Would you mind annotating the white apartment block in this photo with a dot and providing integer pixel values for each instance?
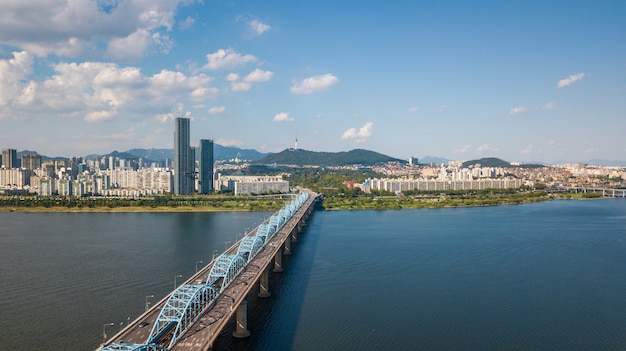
(246, 185)
(398, 185)
(14, 177)
(143, 179)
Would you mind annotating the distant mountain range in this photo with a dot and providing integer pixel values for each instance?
(426, 160)
(220, 153)
(304, 157)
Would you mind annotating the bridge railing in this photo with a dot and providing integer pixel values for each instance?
(190, 301)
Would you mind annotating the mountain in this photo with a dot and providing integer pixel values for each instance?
(487, 162)
(496, 162)
(220, 153)
(432, 159)
(229, 152)
(605, 163)
(43, 157)
(305, 157)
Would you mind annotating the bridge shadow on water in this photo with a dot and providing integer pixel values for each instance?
(273, 321)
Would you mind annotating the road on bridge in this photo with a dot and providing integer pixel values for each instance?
(202, 334)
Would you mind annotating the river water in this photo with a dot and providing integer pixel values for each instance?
(541, 276)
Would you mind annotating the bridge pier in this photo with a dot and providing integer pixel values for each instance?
(294, 235)
(287, 247)
(242, 321)
(278, 261)
(264, 284)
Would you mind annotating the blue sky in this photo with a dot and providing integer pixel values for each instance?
(524, 81)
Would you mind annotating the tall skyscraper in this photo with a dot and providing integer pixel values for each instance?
(183, 159)
(206, 166)
(31, 161)
(9, 158)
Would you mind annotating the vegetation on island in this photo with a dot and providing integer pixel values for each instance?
(166, 203)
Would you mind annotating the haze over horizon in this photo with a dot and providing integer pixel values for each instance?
(529, 82)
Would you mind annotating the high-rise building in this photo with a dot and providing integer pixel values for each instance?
(31, 161)
(206, 166)
(183, 159)
(9, 158)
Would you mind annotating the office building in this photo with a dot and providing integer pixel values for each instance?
(31, 161)
(184, 170)
(9, 158)
(206, 166)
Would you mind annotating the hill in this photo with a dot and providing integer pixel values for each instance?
(434, 160)
(304, 157)
(496, 162)
(220, 153)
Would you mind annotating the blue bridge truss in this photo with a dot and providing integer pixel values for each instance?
(190, 301)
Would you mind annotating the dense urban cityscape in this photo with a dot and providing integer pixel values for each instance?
(194, 170)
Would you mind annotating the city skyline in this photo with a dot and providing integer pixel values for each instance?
(531, 82)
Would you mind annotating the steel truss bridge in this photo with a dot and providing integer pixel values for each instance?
(192, 316)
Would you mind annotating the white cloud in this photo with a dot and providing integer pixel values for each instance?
(361, 135)
(96, 91)
(549, 106)
(227, 59)
(12, 72)
(570, 79)
(135, 45)
(259, 27)
(442, 108)
(485, 148)
(96, 116)
(244, 84)
(88, 28)
(413, 109)
(315, 83)
(187, 23)
(516, 110)
(530, 149)
(283, 117)
(217, 110)
(229, 142)
(463, 149)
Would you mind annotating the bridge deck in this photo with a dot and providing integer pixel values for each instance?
(207, 328)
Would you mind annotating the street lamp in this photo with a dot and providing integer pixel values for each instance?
(176, 276)
(104, 333)
(197, 265)
(214, 252)
(148, 303)
(226, 245)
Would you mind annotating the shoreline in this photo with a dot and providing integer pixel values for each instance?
(333, 206)
(137, 209)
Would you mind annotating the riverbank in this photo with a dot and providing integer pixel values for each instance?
(124, 209)
(442, 201)
(329, 203)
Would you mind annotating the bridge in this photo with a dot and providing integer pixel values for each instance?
(606, 192)
(193, 315)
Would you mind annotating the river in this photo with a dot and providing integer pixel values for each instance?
(538, 276)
